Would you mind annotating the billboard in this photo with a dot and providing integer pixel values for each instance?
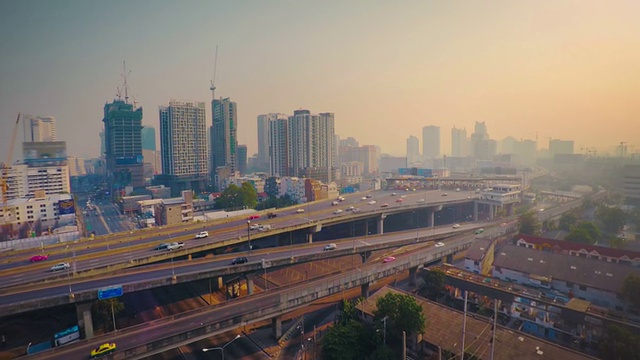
(129, 160)
(415, 172)
(66, 207)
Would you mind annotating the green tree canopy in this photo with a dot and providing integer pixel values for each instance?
(529, 224)
(619, 343)
(404, 314)
(234, 197)
(102, 309)
(613, 218)
(434, 281)
(631, 290)
(349, 341)
(567, 221)
(579, 235)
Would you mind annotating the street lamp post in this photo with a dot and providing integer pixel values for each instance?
(221, 348)
(249, 234)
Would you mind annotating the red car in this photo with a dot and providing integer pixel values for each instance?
(253, 217)
(399, 200)
(39, 258)
(388, 259)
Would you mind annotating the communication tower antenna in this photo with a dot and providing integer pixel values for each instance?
(213, 80)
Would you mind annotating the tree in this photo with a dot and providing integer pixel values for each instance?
(349, 341)
(234, 197)
(348, 312)
(103, 311)
(616, 243)
(248, 195)
(567, 221)
(578, 235)
(434, 281)
(529, 224)
(612, 218)
(403, 312)
(619, 343)
(631, 290)
(590, 228)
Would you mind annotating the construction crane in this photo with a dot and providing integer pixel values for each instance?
(5, 170)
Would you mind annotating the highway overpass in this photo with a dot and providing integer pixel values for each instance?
(161, 335)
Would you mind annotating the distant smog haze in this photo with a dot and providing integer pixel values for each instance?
(535, 71)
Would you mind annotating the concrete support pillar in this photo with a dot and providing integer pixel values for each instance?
(475, 211)
(366, 227)
(381, 225)
(430, 218)
(249, 278)
(365, 256)
(85, 321)
(189, 257)
(310, 238)
(449, 259)
(364, 290)
(413, 272)
(220, 282)
(276, 325)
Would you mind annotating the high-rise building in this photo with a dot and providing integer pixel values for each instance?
(41, 128)
(459, 142)
(479, 134)
(311, 142)
(123, 144)
(413, 149)
(242, 159)
(263, 138)
(526, 151)
(278, 140)
(557, 146)
(184, 146)
(366, 154)
(430, 142)
(349, 142)
(148, 138)
(224, 139)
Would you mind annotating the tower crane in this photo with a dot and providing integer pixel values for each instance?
(5, 167)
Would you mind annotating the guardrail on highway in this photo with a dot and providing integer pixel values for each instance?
(243, 311)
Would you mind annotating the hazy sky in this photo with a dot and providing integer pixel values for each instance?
(561, 69)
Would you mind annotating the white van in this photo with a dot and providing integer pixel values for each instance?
(330, 247)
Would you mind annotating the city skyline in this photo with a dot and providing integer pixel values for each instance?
(562, 70)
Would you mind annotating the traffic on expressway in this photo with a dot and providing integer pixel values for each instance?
(129, 247)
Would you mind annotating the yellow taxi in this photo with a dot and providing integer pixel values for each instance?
(103, 349)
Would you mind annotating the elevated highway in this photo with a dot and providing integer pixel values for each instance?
(168, 333)
(125, 250)
(44, 295)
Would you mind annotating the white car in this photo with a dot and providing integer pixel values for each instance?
(363, 198)
(301, 210)
(339, 211)
(60, 266)
(254, 227)
(202, 235)
(439, 244)
(420, 201)
(455, 226)
(371, 202)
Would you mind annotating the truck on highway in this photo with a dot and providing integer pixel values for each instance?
(264, 227)
(175, 246)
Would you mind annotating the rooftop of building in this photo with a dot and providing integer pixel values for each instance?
(578, 270)
(478, 249)
(173, 201)
(444, 329)
(47, 198)
(561, 245)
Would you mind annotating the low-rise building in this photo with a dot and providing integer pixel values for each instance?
(598, 282)
(479, 257)
(611, 255)
(444, 330)
(175, 210)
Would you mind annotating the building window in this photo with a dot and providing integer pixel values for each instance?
(569, 285)
(583, 288)
(29, 207)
